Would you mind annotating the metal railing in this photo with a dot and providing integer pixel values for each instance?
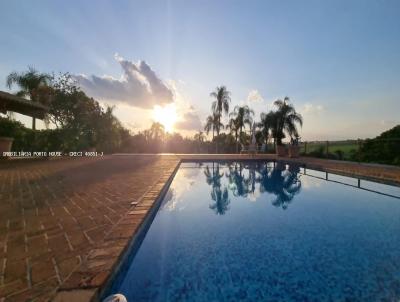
(358, 186)
(343, 150)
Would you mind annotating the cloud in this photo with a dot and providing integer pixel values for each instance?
(254, 97)
(388, 123)
(309, 108)
(191, 121)
(133, 126)
(139, 86)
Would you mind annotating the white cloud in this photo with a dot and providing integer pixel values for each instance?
(139, 86)
(191, 121)
(309, 108)
(388, 123)
(133, 126)
(254, 97)
(188, 116)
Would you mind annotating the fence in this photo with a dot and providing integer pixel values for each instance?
(352, 149)
(346, 150)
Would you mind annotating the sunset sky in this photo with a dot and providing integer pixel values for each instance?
(338, 61)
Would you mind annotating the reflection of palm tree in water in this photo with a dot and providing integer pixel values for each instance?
(220, 197)
(252, 177)
(221, 200)
(284, 184)
(213, 177)
(238, 183)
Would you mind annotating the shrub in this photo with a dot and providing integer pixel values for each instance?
(385, 148)
(319, 152)
(10, 128)
(339, 154)
(23, 137)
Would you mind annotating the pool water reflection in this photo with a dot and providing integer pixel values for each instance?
(257, 231)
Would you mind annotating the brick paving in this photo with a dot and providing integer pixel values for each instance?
(54, 212)
(66, 223)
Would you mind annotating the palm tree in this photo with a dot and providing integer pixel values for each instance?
(199, 137)
(286, 120)
(243, 116)
(209, 125)
(220, 105)
(233, 126)
(157, 131)
(213, 123)
(30, 83)
(268, 125)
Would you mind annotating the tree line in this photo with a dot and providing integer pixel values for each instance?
(275, 125)
(81, 123)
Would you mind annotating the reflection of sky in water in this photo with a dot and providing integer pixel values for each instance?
(255, 232)
(183, 181)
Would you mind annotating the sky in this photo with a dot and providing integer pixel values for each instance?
(338, 61)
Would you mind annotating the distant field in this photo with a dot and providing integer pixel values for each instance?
(347, 147)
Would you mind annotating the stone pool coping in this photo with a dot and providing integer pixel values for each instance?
(88, 283)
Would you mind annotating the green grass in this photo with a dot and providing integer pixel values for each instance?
(347, 147)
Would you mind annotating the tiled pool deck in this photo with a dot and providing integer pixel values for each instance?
(65, 223)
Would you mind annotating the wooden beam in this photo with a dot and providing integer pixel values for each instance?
(10, 102)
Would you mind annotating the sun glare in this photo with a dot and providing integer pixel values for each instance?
(166, 116)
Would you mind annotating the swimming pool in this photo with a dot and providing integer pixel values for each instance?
(258, 231)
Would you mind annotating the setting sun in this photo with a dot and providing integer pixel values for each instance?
(166, 116)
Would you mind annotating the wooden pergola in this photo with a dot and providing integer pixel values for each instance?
(10, 102)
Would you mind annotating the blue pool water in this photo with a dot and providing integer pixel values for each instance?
(267, 232)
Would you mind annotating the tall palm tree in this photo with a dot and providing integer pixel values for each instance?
(234, 128)
(286, 120)
(199, 137)
(222, 100)
(213, 123)
(220, 105)
(157, 131)
(268, 125)
(30, 82)
(243, 116)
(209, 125)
